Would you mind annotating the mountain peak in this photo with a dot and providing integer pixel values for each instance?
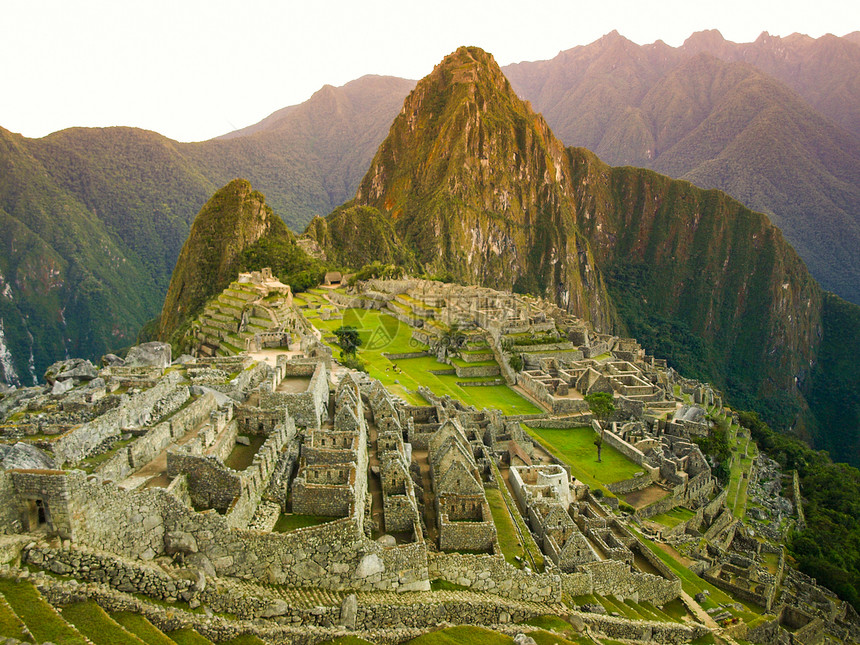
(465, 65)
(474, 183)
(705, 40)
(233, 219)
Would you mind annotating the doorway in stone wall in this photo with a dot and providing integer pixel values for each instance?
(36, 516)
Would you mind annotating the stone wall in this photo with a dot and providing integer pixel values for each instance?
(133, 411)
(629, 485)
(212, 484)
(336, 555)
(332, 500)
(615, 578)
(10, 513)
(308, 408)
(156, 439)
(493, 574)
(640, 631)
(90, 566)
(798, 500)
(466, 535)
(539, 391)
(633, 454)
(299, 625)
(50, 488)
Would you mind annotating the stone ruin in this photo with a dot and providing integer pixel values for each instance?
(176, 473)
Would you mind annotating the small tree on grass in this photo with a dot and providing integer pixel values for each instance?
(602, 407)
(598, 441)
(348, 340)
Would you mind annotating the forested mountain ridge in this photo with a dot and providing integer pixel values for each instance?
(773, 123)
(94, 218)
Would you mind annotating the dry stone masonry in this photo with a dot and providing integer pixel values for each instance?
(309, 501)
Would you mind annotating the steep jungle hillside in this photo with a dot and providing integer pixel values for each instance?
(233, 220)
(749, 128)
(475, 184)
(360, 235)
(69, 287)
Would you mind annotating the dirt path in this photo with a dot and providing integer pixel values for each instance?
(696, 609)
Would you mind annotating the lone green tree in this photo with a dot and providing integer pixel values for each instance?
(602, 407)
(598, 441)
(348, 340)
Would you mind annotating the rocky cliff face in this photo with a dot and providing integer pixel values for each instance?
(678, 254)
(232, 220)
(476, 184)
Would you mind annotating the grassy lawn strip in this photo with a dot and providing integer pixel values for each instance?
(188, 637)
(291, 521)
(462, 635)
(92, 621)
(509, 541)
(10, 625)
(575, 446)
(39, 617)
(142, 628)
(674, 517)
(382, 333)
(534, 553)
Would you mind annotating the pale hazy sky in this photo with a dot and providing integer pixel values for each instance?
(194, 69)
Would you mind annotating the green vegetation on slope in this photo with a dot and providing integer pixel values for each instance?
(356, 236)
(462, 635)
(10, 625)
(39, 617)
(833, 392)
(234, 219)
(92, 621)
(142, 628)
(68, 285)
(831, 494)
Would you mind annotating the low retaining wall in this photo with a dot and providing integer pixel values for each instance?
(493, 574)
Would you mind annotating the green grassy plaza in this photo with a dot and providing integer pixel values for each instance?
(575, 446)
(382, 334)
(674, 517)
